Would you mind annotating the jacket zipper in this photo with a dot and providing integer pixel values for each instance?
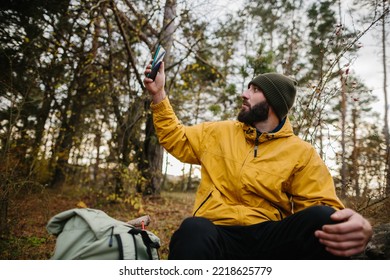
(204, 201)
(258, 134)
(277, 208)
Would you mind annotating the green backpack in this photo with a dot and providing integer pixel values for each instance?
(90, 234)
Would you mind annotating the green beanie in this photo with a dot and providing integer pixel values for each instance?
(279, 90)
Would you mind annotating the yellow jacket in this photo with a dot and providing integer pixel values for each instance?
(247, 177)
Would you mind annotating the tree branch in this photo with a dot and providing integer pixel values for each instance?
(127, 45)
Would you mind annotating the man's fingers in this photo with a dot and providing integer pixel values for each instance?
(340, 228)
(162, 67)
(329, 238)
(344, 239)
(148, 69)
(342, 215)
(345, 253)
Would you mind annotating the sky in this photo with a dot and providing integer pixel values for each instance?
(367, 66)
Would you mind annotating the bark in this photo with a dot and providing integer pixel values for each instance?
(126, 122)
(68, 130)
(355, 164)
(343, 127)
(385, 7)
(4, 201)
(152, 167)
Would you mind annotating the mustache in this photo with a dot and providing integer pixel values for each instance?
(246, 103)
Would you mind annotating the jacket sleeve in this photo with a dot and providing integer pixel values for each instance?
(183, 142)
(313, 185)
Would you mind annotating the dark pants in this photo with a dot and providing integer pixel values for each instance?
(290, 238)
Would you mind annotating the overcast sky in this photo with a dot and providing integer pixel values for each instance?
(368, 65)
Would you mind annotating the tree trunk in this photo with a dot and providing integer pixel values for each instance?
(189, 181)
(343, 127)
(355, 164)
(386, 117)
(42, 117)
(154, 152)
(4, 229)
(343, 109)
(97, 142)
(154, 158)
(65, 144)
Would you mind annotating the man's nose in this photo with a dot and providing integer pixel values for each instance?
(245, 94)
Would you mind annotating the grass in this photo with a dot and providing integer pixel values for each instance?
(29, 214)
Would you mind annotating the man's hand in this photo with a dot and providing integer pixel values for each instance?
(348, 237)
(156, 87)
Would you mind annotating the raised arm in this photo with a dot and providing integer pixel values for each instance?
(181, 141)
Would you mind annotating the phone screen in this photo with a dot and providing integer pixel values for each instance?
(157, 59)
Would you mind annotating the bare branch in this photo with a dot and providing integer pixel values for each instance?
(127, 45)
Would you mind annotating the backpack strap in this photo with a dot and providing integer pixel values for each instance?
(127, 246)
(146, 239)
(120, 246)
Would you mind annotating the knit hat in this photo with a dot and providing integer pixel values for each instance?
(279, 90)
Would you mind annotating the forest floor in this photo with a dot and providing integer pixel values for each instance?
(29, 213)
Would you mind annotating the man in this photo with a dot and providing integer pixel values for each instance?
(264, 193)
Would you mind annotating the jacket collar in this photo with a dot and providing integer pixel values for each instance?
(284, 129)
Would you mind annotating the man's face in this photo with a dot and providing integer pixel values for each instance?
(254, 106)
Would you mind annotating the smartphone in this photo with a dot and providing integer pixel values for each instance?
(157, 59)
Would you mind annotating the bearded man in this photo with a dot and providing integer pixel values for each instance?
(264, 192)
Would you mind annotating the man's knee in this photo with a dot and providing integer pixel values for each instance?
(196, 238)
(196, 226)
(306, 221)
(320, 214)
(196, 230)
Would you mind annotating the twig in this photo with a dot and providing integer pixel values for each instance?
(373, 204)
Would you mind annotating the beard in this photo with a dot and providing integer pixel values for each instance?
(257, 113)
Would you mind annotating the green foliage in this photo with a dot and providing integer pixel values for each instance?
(24, 247)
(35, 241)
(262, 62)
(215, 109)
